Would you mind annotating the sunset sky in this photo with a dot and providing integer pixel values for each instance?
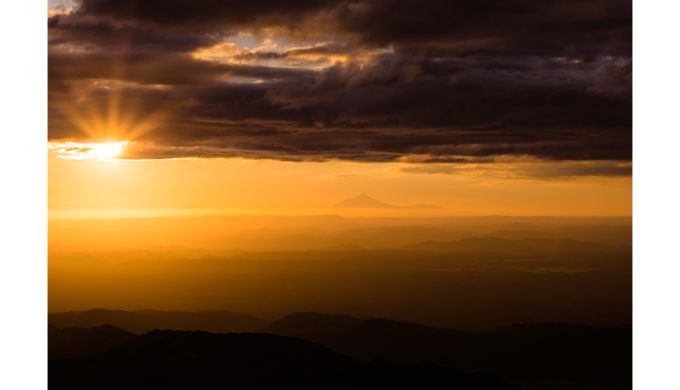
(368, 180)
(273, 107)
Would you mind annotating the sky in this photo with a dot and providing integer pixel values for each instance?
(479, 107)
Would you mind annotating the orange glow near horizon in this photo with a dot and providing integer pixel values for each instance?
(85, 184)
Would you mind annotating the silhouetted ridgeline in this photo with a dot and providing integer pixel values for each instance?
(536, 355)
(142, 321)
(391, 353)
(79, 342)
(201, 360)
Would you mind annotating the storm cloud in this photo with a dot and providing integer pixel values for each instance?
(366, 80)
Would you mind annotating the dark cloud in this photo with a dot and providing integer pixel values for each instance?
(204, 15)
(77, 31)
(519, 26)
(365, 80)
(524, 170)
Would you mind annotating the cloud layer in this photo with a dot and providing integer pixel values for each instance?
(366, 80)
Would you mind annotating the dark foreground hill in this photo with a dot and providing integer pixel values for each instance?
(201, 360)
(78, 342)
(142, 321)
(537, 356)
(541, 356)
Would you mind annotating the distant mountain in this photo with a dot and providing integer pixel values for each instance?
(546, 356)
(142, 321)
(171, 360)
(365, 201)
(82, 342)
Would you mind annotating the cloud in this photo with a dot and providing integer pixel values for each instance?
(353, 80)
(209, 15)
(526, 169)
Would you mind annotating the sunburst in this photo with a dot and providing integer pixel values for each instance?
(86, 151)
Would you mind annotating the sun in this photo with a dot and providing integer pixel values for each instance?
(88, 151)
(107, 150)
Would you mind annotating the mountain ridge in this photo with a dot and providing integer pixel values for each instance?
(171, 359)
(365, 201)
(142, 321)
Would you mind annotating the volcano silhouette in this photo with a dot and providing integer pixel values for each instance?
(365, 201)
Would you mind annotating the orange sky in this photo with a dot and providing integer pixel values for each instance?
(94, 187)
